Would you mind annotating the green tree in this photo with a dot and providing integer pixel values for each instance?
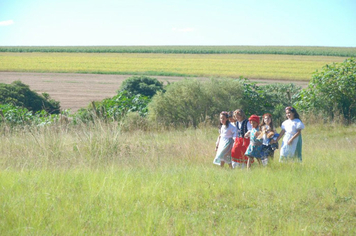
(143, 85)
(332, 91)
(19, 94)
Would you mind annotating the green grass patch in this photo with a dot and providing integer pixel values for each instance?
(253, 66)
(97, 180)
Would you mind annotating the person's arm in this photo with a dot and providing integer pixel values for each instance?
(280, 135)
(247, 134)
(217, 143)
(249, 126)
(294, 136)
(234, 133)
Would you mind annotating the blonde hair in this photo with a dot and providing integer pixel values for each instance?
(240, 112)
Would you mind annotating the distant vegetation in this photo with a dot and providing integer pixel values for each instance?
(183, 103)
(191, 102)
(143, 85)
(286, 50)
(113, 109)
(19, 94)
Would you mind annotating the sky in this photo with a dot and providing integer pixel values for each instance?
(178, 22)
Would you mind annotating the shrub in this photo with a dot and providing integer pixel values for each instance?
(133, 121)
(332, 91)
(190, 102)
(19, 94)
(275, 98)
(143, 85)
(14, 115)
(123, 103)
(114, 108)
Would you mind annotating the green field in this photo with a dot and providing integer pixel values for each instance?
(252, 66)
(284, 50)
(96, 180)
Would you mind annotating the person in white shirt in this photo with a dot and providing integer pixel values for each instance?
(291, 148)
(225, 141)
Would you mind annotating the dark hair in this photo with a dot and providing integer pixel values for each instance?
(263, 122)
(294, 111)
(226, 114)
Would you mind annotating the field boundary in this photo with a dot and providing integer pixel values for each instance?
(283, 50)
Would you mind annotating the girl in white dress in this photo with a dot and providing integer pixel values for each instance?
(291, 148)
(225, 141)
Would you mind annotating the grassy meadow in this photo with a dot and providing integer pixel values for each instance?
(252, 66)
(98, 180)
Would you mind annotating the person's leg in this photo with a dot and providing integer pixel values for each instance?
(271, 155)
(222, 163)
(264, 160)
(234, 164)
(249, 161)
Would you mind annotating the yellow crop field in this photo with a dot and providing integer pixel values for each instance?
(254, 66)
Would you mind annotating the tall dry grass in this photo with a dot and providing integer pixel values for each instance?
(100, 145)
(97, 179)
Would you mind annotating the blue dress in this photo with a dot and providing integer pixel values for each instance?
(255, 147)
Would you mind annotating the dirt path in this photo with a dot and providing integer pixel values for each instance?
(75, 91)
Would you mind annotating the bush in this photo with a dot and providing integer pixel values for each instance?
(14, 115)
(133, 121)
(275, 98)
(190, 102)
(19, 94)
(332, 91)
(143, 85)
(114, 108)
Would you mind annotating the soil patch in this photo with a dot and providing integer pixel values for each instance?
(75, 91)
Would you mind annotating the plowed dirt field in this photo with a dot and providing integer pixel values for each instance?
(75, 91)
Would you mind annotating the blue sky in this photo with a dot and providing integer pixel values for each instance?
(178, 22)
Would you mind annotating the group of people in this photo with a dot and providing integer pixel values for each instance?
(243, 140)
